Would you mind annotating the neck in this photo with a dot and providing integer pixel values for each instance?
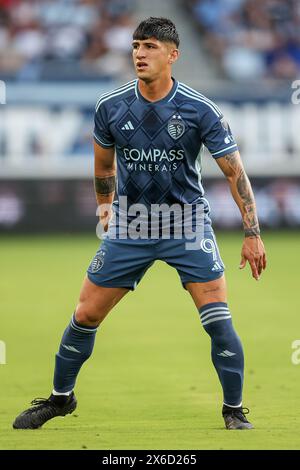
(156, 89)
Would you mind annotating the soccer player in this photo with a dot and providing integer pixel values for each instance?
(152, 130)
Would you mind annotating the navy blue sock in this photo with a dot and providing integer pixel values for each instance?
(75, 348)
(226, 350)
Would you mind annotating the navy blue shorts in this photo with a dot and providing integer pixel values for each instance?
(123, 262)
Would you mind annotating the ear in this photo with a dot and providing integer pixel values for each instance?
(173, 56)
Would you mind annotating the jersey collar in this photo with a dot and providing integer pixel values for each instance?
(166, 99)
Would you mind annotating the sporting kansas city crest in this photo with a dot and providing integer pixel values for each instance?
(97, 262)
(176, 126)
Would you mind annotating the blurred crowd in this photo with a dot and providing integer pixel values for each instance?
(251, 38)
(42, 39)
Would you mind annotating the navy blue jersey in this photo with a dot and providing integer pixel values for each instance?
(158, 144)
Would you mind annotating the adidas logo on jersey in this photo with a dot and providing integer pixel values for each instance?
(128, 126)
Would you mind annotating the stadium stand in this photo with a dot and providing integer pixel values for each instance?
(57, 57)
(251, 38)
(65, 39)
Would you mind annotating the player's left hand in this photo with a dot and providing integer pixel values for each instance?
(254, 252)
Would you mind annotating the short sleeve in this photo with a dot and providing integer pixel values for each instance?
(216, 133)
(102, 134)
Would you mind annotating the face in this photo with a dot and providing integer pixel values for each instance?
(152, 58)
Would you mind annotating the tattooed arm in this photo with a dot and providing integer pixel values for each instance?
(253, 249)
(104, 181)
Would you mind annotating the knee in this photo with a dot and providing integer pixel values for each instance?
(211, 315)
(219, 332)
(85, 315)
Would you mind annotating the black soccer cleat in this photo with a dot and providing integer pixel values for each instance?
(235, 418)
(44, 409)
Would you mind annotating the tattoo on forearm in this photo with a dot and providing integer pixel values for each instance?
(251, 225)
(244, 191)
(105, 185)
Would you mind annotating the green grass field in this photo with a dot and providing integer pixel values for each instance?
(150, 383)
